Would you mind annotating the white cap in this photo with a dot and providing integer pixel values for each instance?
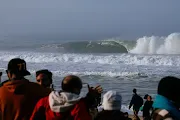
(112, 100)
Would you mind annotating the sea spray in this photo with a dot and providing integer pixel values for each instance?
(158, 45)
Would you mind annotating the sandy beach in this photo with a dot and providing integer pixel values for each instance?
(131, 116)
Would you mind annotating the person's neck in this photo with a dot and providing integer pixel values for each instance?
(17, 78)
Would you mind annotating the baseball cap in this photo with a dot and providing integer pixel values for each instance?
(112, 100)
(18, 65)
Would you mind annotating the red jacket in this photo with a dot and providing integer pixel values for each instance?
(44, 111)
(18, 99)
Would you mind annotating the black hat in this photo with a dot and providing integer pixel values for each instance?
(145, 97)
(170, 88)
(18, 66)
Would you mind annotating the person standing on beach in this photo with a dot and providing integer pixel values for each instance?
(136, 102)
(44, 78)
(18, 96)
(147, 107)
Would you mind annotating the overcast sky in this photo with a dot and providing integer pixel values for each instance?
(89, 19)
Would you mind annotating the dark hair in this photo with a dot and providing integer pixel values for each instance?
(17, 66)
(134, 90)
(70, 82)
(169, 87)
(145, 97)
(44, 71)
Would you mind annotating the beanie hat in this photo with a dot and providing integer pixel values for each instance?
(169, 87)
(112, 101)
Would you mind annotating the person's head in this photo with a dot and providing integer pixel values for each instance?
(112, 100)
(72, 83)
(145, 97)
(44, 77)
(134, 91)
(149, 98)
(126, 115)
(17, 69)
(169, 87)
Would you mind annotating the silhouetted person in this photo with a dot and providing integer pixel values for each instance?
(147, 107)
(136, 102)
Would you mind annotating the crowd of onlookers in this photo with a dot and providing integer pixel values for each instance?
(21, 99)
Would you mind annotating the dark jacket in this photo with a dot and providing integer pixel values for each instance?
(146, 108)
(18, 98)
(110, 115)
(136, 101)
(61, 106)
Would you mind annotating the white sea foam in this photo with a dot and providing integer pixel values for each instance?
(158, 45)
(115, 59)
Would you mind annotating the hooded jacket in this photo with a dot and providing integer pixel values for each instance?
(61, 106)
(18, 98)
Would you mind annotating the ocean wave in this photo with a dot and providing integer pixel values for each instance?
(144, 45)
(158, 45)
(106, 73)
(88, 47)
(111, 59)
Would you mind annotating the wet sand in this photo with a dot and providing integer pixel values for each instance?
(131, 116)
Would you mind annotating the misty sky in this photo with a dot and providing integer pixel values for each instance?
(88, 19)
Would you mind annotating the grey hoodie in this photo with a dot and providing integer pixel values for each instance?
(62, 101)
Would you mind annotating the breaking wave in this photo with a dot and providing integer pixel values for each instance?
(112, 59)
(158, 45)
(144, 45)
(88, 47)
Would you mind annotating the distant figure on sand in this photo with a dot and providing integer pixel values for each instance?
(111, 107)
(44, 78)
(167, 102)
(147, 107)
(136, 102)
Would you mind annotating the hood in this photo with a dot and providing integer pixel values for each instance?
(62, 101)
(15, 86)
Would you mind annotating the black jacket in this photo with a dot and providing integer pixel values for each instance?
(136, 101)
(147, 107)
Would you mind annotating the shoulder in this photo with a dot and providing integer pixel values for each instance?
(39, 90)
(1, 84)
(43, 102)
(81, 103)
(161, 114)
(80, 106)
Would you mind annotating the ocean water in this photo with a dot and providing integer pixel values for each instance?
(114, 64)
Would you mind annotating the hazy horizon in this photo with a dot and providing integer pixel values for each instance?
(87, 20)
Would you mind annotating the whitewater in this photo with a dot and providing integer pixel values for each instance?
(113, 63)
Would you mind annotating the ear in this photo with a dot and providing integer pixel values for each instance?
(9, 74)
